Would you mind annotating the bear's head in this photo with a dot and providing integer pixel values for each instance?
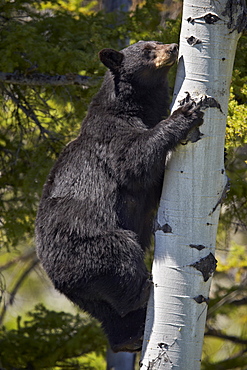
(141, 61)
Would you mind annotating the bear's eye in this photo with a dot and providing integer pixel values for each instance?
(148, 51)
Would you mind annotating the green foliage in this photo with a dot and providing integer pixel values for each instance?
(36, 122)
(63, 38)
(50, 43)
(48, 339)
(225, 346)
(236, 143)
(226, 342)
(31, 136)
(53, 38)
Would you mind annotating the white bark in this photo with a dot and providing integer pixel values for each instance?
(194, 182)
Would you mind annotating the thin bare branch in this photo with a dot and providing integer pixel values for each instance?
(25, 257)
(41, 79)
(16, 287)
(26, 108)
(219, 334)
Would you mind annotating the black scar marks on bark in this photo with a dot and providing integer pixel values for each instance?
(206, 265)
(232, 8)
(210, 18)
(192, 40)
(165, 228)
(201, 299)
(193, 136)
(204, 101)
(209, 102)
(199, 247)
(223, 195)
(161, 359)
(163, 345)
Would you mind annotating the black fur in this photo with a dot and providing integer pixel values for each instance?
(96, 214)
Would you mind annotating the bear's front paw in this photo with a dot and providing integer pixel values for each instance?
(192, 112)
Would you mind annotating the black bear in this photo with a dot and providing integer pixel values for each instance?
(98, 205)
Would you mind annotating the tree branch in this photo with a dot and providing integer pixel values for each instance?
(41, 79)
(27, 109)
(219, 334)
(229, 299)
(237, 361)
(239, 302)
(17, 285)
(25, 257)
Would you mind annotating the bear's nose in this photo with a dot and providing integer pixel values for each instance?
(173, 48)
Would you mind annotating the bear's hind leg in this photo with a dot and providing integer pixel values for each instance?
(125, 334)
(124, 281)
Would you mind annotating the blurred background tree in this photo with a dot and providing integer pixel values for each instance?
(49, 71)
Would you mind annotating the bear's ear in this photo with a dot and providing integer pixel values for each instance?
(111, 58)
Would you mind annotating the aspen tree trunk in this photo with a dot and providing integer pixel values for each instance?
(194, 182)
